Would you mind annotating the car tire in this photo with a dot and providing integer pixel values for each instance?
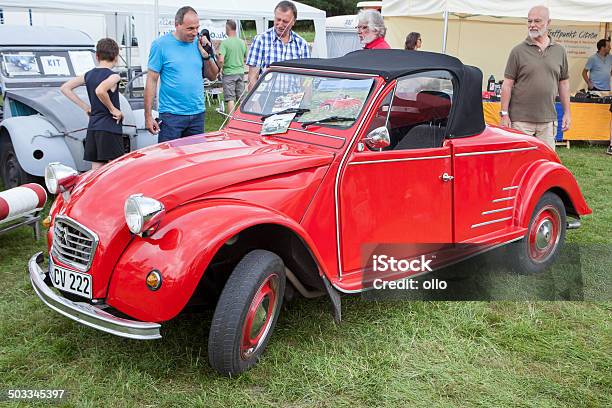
(544, 239)
(13, 175)
(246, 312)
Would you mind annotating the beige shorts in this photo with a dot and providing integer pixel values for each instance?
(233, 87)
(545, 131)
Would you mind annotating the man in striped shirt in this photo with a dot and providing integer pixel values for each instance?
(278, 43)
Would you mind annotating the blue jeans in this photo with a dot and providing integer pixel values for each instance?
(175, 126)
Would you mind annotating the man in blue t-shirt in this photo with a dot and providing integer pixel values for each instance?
(599, 67)
(177, 59)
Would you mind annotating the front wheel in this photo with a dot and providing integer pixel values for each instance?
(246, 313)
(544, 239)
(13, 175)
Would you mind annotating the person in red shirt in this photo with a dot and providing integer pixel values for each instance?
(371, 30)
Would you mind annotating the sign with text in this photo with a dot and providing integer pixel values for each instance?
(54, 65)
(579, 41)
(215, 27)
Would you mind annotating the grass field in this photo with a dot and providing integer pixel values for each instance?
(413, 354)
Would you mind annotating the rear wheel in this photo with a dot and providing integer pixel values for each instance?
(12, 173)
(246, 313)
(544, 239)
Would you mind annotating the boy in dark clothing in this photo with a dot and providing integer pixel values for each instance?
(104, 140)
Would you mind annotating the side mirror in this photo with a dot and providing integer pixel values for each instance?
(378, 138)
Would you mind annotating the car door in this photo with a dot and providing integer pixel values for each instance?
(400, 195)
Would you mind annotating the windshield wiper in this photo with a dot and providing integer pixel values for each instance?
(328, 119)
(297, 111)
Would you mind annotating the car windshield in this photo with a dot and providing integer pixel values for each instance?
(46, 64)
(321, 100)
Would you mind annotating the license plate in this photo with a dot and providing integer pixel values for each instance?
(71, 281)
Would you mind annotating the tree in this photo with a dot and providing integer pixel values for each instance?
(333, 8)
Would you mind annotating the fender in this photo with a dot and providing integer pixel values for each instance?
(143, 137)
(31, 133)
(181, 250)
(542, 176)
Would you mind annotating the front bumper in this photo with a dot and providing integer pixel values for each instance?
(84, 313)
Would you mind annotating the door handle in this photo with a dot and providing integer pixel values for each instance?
(446, 177)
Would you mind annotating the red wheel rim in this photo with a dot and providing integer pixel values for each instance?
(259, 317)
(544, 234)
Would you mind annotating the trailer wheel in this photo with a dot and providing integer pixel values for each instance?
(12, 173)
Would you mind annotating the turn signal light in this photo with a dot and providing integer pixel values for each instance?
(154, 280)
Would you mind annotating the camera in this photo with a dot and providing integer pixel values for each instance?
(208, 48)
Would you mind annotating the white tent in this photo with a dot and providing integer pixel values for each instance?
(341, 35)
(482, 32)
(572, 10)
(144, 12)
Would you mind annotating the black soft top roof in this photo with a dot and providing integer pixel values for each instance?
(389, 64)
(467, 118)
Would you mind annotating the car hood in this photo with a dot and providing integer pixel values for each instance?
(185, 169)
(174, 173)
(64, 115)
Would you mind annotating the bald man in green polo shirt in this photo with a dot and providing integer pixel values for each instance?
(536, 71)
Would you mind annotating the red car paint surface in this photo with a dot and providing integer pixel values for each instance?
(319, 184)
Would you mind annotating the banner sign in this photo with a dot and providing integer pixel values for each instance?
(579, 41)
(215, 27)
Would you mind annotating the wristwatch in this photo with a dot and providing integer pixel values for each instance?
(503, 113)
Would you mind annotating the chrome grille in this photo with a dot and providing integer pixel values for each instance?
(73, 244)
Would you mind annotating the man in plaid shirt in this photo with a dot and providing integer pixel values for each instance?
(278, 43)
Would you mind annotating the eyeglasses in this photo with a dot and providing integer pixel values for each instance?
(419, 39)
(362, 28)
(537, 21)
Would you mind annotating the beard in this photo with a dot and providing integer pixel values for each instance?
(537, 33)
(368, 38)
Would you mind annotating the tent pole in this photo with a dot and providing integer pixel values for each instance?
(128, 43)
(445, 32)
(156, 18)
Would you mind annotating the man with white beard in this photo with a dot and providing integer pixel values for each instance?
(536, 72)
(371, 30)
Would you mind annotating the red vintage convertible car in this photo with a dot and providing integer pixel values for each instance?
(241, 220)
(341, 103)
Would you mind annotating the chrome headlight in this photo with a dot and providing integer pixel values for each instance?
(143, 214)
(59, 178)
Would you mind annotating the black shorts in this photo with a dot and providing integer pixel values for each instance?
(103, 146)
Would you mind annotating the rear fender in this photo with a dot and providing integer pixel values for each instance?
(33, 135)
(181, 250)
(545, 176)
